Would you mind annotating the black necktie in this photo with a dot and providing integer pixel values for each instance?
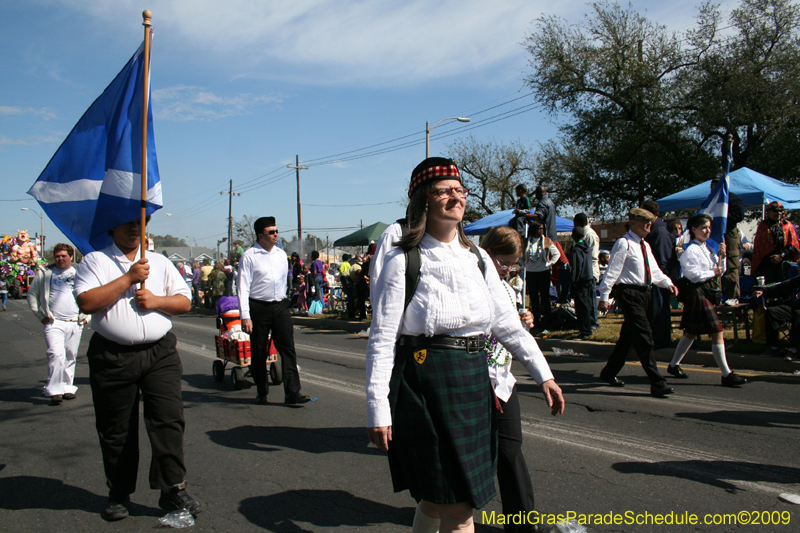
(647, 275)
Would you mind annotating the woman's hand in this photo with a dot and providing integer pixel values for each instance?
(380, 437)
(527, 318)
(553, 397)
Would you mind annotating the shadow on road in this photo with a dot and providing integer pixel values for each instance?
(722, 474)
(286, 511)
(31, 492)
(310, 440)
(775, 419)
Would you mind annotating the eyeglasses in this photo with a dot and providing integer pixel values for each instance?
(272, 232)
(446, 192)
(505, 267)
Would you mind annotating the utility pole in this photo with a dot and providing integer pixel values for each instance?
(230, 218)
(298, 168)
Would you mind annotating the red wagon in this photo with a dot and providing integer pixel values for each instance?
(238, 354)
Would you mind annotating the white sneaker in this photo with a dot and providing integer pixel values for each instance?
(732, 301)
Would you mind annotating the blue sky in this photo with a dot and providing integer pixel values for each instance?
(240, 87)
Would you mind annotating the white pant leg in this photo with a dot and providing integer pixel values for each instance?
(54, 336)
(71, 343)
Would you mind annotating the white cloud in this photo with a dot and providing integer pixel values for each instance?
(183, 103)
(30, 141)
(18, 111)
(376, 43)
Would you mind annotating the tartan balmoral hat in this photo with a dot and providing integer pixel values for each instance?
(433, 168)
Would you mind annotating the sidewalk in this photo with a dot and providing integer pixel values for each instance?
(596, 350)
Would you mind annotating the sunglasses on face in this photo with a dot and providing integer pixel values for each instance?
(446, 192)
(272, 232)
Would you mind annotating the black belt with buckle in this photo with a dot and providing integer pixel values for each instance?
(472, 344)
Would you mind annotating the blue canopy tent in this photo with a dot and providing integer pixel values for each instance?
(479, 227)
(755, 190)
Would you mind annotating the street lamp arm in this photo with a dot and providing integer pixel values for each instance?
(460, 119)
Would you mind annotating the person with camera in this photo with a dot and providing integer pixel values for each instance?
(700, 292)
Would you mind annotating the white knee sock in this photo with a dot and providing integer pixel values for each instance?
(682, 349)
(424, 523)
(719, 356)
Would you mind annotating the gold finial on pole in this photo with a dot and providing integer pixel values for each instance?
(147, 15)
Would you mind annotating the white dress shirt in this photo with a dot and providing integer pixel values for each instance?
(123, 322)
(453, 298)
(698, 262)
(262, 276)
(500, 371)
(626, 266)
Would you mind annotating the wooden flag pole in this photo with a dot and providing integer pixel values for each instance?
(146, 16)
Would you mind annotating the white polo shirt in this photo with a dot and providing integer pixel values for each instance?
(262, 276)
(123, 322)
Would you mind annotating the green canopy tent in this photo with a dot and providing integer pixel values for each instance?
(364, 236)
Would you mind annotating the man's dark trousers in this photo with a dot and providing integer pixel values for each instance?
(635, 334)
(117, 374)
(539, 292)
(660, 316)
(273, 317)
(584, 300)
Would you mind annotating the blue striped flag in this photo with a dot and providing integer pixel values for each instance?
(93, 182)
(716, 206)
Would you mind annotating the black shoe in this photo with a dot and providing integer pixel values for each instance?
(733, 380)
(175, 500)
(295, 398)
(659, 391)
(55, 399)
(115, 509)
(261, 399)
(613, 382)
(677, 371)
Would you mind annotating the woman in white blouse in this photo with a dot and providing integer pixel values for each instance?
(429, 397)
(701, 267)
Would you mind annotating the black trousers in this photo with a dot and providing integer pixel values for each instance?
(660, 316)
(584, 300)
(118, 375)
(539, 292)
(778, 315)
(273, 317)
(513, 478)
(635, 335)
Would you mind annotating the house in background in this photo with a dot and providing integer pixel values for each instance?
(186, 254)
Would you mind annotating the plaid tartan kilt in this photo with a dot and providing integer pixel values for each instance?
(699, 315)
(444, 429)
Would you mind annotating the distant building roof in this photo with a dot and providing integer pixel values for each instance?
(186, 253)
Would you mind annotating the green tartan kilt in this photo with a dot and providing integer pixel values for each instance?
(444, 429)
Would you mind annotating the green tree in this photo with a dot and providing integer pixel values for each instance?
(643, 111)
(167, 241)
(747, 84)
(491, 171)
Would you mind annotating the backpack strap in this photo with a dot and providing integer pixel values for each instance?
(414, 265)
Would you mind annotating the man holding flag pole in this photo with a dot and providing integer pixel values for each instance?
(91, 192)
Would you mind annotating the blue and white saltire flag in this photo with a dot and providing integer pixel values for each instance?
(93, 182)
(716, 206)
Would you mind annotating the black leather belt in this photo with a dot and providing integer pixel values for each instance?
(640, 288)
(470, 344)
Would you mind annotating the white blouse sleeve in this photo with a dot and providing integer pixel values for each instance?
(507, 327)
(388, 301)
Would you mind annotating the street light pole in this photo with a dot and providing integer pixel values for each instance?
(298, 168)
(41, 230)
(428, 130)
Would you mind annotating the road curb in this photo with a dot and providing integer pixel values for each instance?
(599, 350)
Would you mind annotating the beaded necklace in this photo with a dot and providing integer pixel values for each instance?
(492, 343)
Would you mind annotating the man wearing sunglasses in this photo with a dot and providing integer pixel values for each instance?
(264, 308)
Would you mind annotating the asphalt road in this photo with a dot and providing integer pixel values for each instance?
(705, 450)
